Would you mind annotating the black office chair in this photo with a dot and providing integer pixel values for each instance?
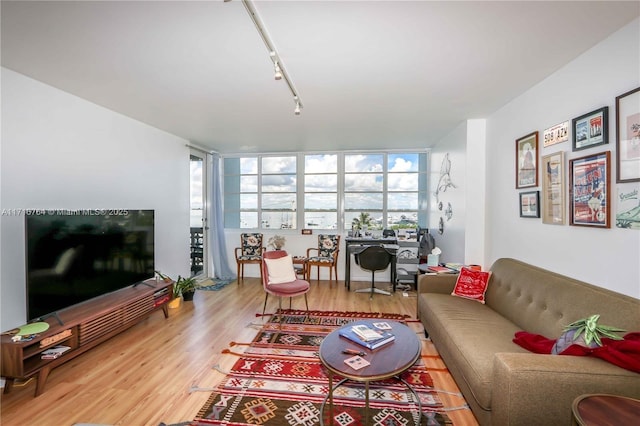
(386, 233)
(373, 258)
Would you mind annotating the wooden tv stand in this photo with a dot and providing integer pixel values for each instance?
(85, 325)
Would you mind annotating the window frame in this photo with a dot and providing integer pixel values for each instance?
(342, 224)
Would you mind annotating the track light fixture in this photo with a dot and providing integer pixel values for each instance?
(280, 72)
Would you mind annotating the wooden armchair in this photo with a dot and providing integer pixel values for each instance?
(326, 255)
(250, 251)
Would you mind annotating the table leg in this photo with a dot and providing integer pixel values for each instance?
(330, 398)
(347, 267)
(366, 402)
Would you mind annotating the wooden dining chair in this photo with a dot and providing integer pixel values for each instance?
(250, 251)
(325, 255)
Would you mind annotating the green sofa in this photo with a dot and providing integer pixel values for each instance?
(503, 383)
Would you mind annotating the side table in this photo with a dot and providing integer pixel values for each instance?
(300, 265)
(390, 360)
(605, 410)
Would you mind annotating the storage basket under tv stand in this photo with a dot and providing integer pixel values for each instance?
(85, 326)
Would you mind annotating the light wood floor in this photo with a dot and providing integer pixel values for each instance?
(144, 375)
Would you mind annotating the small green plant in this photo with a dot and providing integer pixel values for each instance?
(585, 332)
(163, 277)
(184, 285)
(591, 330)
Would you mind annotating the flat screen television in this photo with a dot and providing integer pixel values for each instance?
(74, 256)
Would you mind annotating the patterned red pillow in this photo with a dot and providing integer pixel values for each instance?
(472, 284)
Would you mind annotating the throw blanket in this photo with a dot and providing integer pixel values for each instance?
(623, 353)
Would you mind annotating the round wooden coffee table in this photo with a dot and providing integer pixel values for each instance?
(390, 360)
(606, 410)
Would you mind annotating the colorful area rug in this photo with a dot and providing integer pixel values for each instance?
(279, 380)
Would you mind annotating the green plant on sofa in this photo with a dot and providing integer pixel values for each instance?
(586, 332)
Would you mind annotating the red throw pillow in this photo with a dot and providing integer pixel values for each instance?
(472, 284)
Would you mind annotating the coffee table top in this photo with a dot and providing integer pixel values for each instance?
(604, 409)
(386, 361)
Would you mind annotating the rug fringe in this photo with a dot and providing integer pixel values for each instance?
(219, 369)
(230, 352)
(195, 388)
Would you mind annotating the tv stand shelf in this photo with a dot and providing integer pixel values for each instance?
(84, 326)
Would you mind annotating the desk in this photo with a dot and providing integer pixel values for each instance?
(354, 245)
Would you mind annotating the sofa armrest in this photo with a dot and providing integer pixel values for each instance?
(437, 283)
(540, 389)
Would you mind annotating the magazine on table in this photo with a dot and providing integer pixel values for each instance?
(383, 338)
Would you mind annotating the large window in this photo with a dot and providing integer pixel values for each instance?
(278, 192)
(321, 191)
(326, 191)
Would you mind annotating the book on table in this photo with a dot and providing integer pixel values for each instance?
(383, 338)
(442, 270)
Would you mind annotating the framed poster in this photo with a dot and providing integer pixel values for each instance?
(628, 136)
(529, 204)
(589, 179)
(553, 192)
(591, 129)
(627, 208)
(527, 161)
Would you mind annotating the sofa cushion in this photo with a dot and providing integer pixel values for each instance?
(471, 284)
(470, 334)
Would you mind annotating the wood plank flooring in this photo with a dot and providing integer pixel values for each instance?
(145, 375)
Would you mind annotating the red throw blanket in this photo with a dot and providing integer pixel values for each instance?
(623, 353)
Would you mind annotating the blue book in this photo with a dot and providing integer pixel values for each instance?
(387, 337)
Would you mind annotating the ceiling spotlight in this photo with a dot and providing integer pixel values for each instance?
(278, 74)
(297, 110)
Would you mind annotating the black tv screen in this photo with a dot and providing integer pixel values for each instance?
(74, 256)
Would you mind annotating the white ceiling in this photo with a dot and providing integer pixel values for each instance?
(371, 74)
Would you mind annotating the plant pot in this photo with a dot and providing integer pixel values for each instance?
(188, 296)
(175, 303)
(566, 339)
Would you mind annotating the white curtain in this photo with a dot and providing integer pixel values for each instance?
(217, 243)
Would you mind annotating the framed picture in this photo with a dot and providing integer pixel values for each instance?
(627, 207)
(527, 161)
(591, 129)
(529, 204)
(556, 134)
(628, 136)
(553, 192)
(589, 179)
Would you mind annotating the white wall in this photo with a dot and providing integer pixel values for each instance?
(59, 151)
(452, 240)
(605, 257)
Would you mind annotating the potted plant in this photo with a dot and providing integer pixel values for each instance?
(585, 332)
(277, 242)
(185, 287)
(163, 277)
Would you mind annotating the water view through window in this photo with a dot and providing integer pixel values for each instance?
(379, 190)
